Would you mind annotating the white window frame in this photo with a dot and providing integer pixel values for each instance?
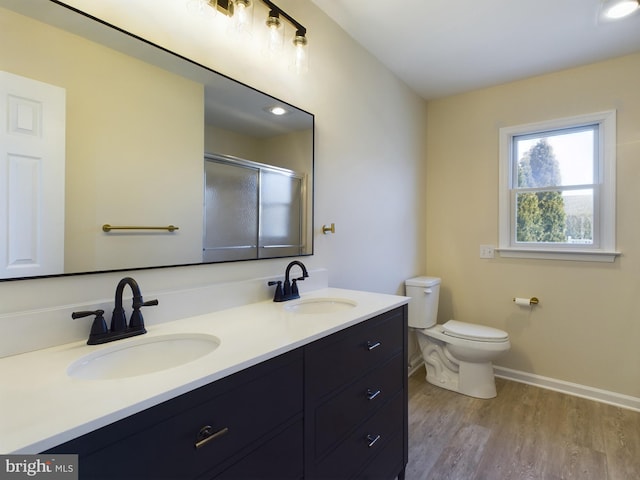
(604, 250)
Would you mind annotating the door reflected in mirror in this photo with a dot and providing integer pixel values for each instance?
(137, 121)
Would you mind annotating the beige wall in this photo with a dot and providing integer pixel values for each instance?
(586, 329)
(226, 142)
(288, 150)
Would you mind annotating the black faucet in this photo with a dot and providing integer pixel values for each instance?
(290, 289)
(119, 329)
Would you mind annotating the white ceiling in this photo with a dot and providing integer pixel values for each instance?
(444, 47)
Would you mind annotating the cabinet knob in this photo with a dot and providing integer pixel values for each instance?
(372, 439)
(206, 434)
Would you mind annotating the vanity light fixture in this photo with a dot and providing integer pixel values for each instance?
(617, 9)
(241, 14)
(301, 55)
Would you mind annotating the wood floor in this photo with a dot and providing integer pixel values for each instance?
(524, 433)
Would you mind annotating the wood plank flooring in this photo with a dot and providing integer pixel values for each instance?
(525, 432)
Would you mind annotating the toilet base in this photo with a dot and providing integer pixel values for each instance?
(473, 379)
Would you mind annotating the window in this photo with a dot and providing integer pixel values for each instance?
(557, 189)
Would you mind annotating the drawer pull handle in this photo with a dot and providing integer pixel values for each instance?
(371, 345)
(371, 394)
(206, 434)
(372, 440)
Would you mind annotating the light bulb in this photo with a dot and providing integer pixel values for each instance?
(277, 110)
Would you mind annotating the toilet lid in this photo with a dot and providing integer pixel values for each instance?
(470, 331)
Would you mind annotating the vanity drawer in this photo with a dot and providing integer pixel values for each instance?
(346, 355)
(278, 459)
(338, 415)
(243, 409)
(368, 441)
(387, 463)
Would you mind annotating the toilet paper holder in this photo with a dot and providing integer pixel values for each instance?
(526, 301)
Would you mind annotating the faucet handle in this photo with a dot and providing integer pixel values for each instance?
(277, 296)
(98, 327)
(136, 321)
(148, 303)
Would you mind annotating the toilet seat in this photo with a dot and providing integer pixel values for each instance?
(478, 333)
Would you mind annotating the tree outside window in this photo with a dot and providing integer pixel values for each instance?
(541, 215)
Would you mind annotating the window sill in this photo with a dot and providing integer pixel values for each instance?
(571, 255)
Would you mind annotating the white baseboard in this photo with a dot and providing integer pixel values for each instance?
(596, 394)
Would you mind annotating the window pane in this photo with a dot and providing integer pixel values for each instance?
(554, 216)
(578, 206)
(558, 158)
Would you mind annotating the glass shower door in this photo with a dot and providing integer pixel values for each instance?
(280, 216)
(231, 212)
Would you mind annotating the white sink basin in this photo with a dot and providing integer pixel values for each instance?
(320, 305)
(143, 355)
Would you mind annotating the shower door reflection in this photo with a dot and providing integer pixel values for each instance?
(252, 210)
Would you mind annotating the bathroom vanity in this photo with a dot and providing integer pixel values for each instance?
(244, 426)
(308, 395)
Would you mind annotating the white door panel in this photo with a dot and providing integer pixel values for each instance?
(32, 177)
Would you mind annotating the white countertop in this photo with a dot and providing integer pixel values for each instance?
(41, 406)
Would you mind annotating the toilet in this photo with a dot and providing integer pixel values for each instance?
(457, 355)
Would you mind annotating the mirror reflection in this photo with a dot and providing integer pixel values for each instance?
(100, 127)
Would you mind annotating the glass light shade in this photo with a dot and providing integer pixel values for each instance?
(243, 15)
(301, 54)
(275, 40)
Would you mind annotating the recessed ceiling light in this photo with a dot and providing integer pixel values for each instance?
(277, 110)
(620, 9)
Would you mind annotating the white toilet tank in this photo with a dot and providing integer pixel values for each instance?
(423, 307)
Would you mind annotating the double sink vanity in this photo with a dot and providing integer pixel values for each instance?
(308, 388)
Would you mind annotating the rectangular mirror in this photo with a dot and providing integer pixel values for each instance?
(100, 127)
